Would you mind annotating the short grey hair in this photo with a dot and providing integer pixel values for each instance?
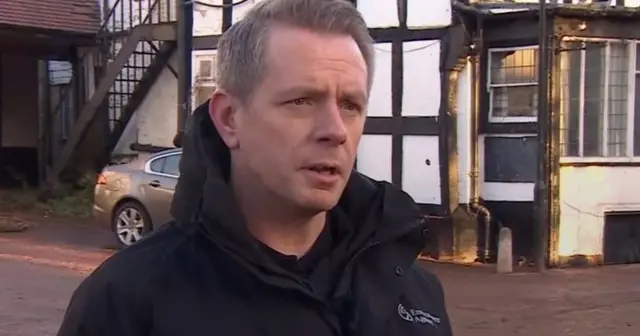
(242, 48)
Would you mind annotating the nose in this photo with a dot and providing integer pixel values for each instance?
(330, 126)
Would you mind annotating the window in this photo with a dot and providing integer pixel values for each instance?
(172, 165)
(510, 159)
(597, 85)
(206, 68)
(157, 165)
(202, 93)
(513, 84)
(167, 165)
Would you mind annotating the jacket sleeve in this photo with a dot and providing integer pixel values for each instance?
(104, 307)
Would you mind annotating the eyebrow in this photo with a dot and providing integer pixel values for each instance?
(354, 95)
(307, 90)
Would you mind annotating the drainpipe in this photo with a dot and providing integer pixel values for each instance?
(542, 199)
(474, 202)
(185, 46)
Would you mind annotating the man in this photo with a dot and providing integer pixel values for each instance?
(275, 234)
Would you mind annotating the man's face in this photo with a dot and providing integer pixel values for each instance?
(299, 133)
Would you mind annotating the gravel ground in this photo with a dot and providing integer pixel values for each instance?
(33, 297)
(39, 269)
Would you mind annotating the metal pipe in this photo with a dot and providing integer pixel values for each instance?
(542, 180)
(227, 14)
(185, 46)
(474, 202)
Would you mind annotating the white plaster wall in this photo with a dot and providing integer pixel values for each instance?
(155, 121)
(421, 94)
(131, 13)
(421, 98)
(377, 13)
(421, 13)
(586, 193)
(628, 3)
(374, 156)
(380, 98)
(208, 21)
(421, 81)
(421, 168)
(489, 191)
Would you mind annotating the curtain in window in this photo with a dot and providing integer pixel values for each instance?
(571, 63)
(514, 83)
(618, 99)
(594, 88)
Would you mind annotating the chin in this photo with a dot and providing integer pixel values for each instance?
(319, 201)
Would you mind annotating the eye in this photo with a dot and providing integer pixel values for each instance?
(351, 107)
(300, 101)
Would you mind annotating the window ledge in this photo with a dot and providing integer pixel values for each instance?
(505, 120)
(600, 161)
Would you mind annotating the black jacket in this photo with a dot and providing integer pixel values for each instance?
(205, 275)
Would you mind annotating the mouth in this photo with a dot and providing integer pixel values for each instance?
(324, 169)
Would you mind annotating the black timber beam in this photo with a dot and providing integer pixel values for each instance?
(388, 35)
(379, 35)
(209, 42)
(402, 125)
(398, 126)
(166, 31)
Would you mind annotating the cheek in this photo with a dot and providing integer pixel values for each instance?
(264, 144)
(355, 134)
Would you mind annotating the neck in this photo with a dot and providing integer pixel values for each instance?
(277, 224)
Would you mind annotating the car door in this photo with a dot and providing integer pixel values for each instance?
(162, 174)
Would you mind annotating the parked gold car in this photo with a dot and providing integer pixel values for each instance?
(134, 198)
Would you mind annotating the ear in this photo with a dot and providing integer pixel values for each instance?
(222, 112)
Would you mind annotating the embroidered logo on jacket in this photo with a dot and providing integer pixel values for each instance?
(417, 316)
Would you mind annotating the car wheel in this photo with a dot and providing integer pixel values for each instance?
(131, 222)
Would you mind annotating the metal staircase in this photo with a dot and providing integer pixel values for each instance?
(133, 83)
(134, 45)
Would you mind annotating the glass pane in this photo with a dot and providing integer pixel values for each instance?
(203, 93)
(593, 98)
(205, 69)
(636, 124)
(618, 92)
(570, 100)
(514, 66)
(637, 58)
(515, 101)
(157, 165)
(172, 165)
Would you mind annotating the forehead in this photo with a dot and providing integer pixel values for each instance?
(293, 51)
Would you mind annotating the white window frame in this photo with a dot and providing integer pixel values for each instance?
(211, 58)
(492, 118)
(199, 81)
(147, 165)
(631, 84)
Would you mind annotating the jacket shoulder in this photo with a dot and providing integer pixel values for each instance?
(426, 292)
(138, 265)
(119, 294)
(426, 282)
